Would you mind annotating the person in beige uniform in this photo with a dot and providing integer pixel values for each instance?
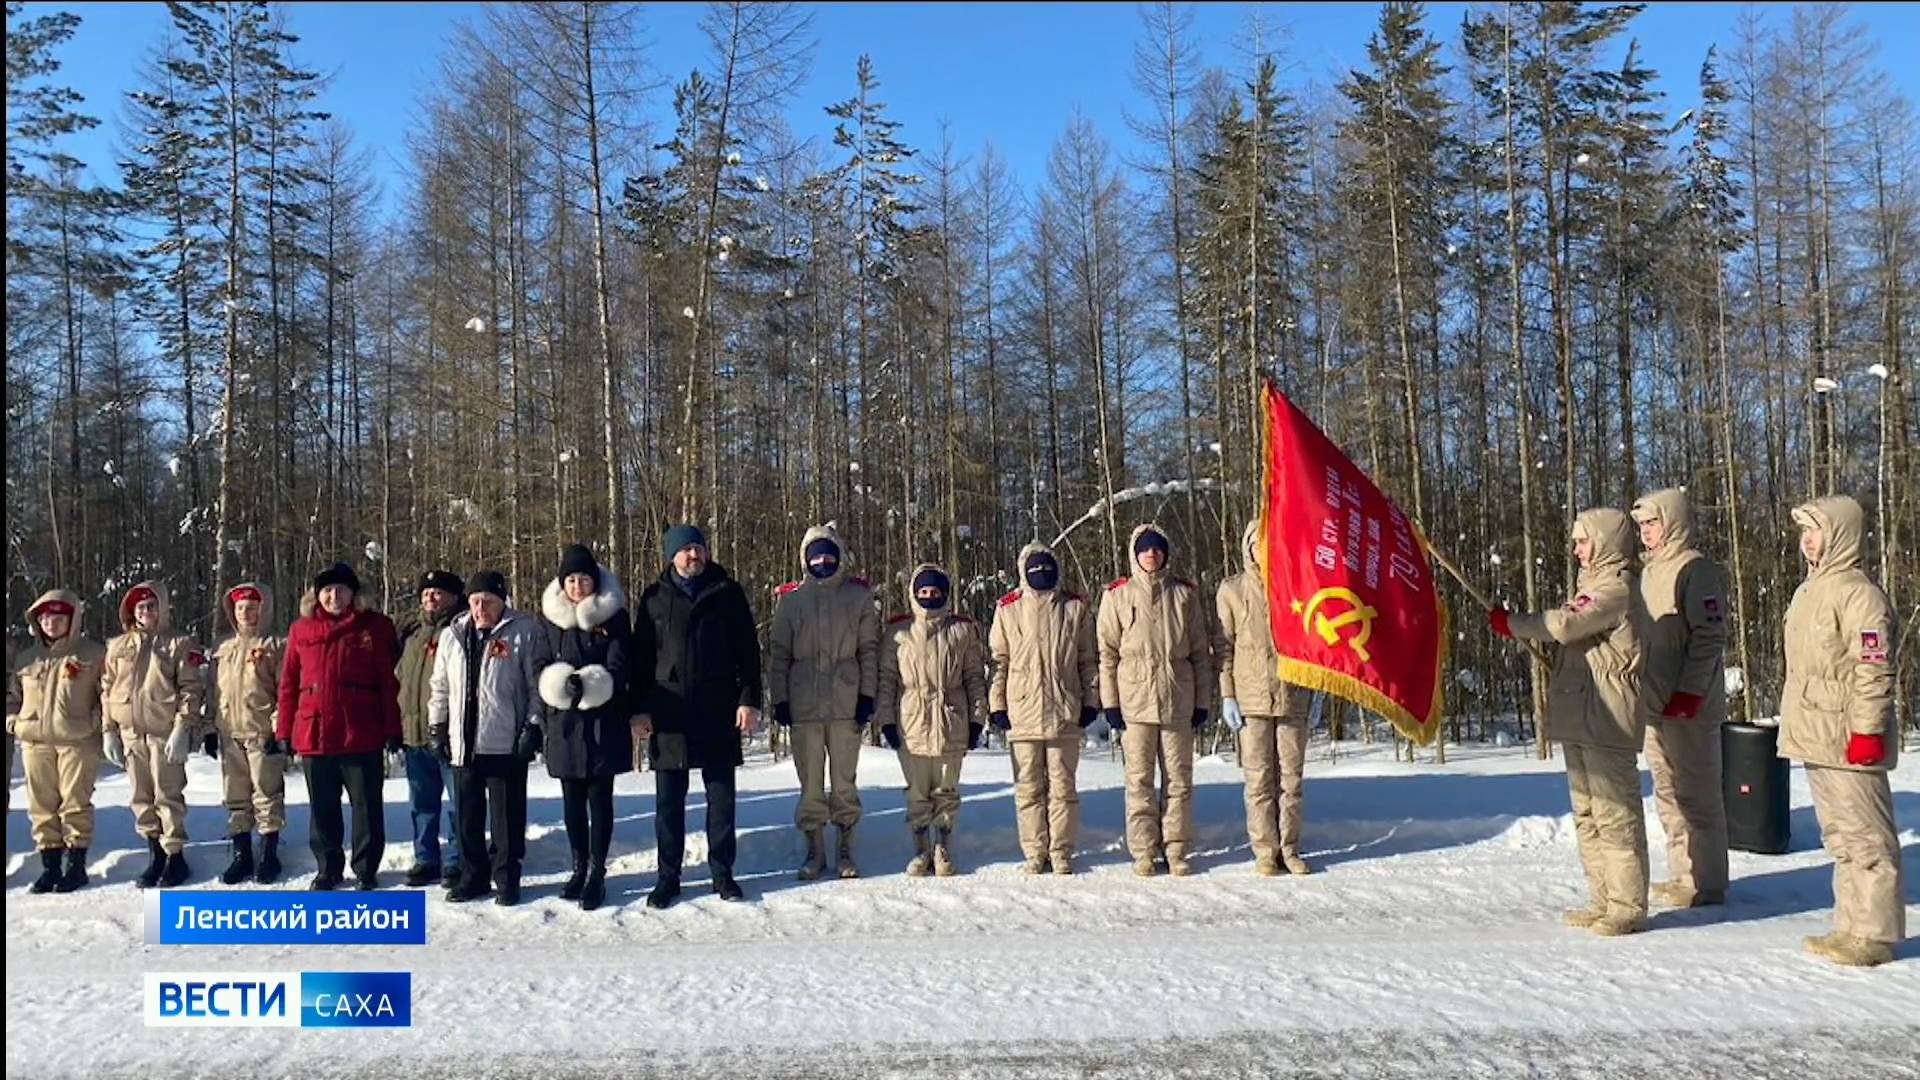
(1155, 660)
(1683, 697)
(1269, 720)
(1593, 712)
(1836, 718)
(1045, 690)
(152, 692)
(53, 709)
(932, 707)
(245, 698)
(823, 667)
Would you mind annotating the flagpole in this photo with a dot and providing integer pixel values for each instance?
(1478, 596)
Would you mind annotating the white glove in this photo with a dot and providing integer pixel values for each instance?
(179, 745)
(115, 750)
(1230, 712)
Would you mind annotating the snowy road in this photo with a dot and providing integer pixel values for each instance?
(1431, 945)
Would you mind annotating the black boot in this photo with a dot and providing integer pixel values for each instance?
(76, 873)
(665, 891)
(506, 890)
(240, 868)
(49, 870)
(176, 871)
(156, 862)
(593, 890)
(576, 883)
(332, 872)
(268, 869)
(450, 877)
(420, 875)
(726, 888)
(471, 885)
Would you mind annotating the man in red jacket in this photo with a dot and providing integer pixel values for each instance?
(339, 709)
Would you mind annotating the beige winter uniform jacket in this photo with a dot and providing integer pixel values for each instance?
(1685, 596)
(54, 695)
(824, 650)
(933, 678)
(1839, 641)
(1046, 664)
(1156, 655)
(1243, 647)
(154, 679)
(245, 688)
(1594, 692)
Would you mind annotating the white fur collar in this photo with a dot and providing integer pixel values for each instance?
(589, 613)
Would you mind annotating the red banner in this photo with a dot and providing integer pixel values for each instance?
(1350, 590)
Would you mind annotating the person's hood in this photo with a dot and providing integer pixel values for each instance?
(1614, 538)
(52, 596)
(1020, 568)
(913, 603)
(607, 600)
(1133, 560)
(1844, 525)
(1251, 545)
(160, 596)
(825, 532)
(266, 606)
(1671, 508)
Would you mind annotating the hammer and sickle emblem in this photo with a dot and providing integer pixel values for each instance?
(1329, 627)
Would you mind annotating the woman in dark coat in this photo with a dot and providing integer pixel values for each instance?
(587, 692)
(698, 681)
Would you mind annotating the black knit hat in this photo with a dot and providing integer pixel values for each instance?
(577, 559)
(444, 580)
(337, 574)
(491, 582)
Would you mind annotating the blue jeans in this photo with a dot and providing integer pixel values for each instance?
(426, 778)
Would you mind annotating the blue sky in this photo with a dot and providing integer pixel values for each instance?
(1012, 73)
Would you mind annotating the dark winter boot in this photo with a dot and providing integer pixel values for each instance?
(665, 891)
(473, 885)
(241, 866)
(176, 871)
(76, 873)
(49, 870)
(506, 891)
(726, 888)
(593, 887)
(156, 863)
(816, 857)
(267, 871)
(420, 875)
(578, 881)
(332, 873)
(450, 878)
(847, 868)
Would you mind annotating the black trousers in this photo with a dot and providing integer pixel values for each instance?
(589, 812)
(492, 796)
(361, 776)
(670, 818)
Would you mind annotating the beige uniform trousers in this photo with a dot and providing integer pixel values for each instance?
(1159, 789)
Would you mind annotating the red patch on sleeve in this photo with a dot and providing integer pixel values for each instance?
(1010, 599)
(860, 581)
(782, 590)
(1116, 583)
(898, 619)
(1073, 596)
(1184, 581)
(1872, 649)
(196, 658)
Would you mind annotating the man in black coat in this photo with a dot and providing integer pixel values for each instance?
(697, 680)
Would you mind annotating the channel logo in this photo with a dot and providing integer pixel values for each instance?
(310, 999)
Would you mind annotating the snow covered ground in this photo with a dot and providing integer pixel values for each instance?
(1429, 945)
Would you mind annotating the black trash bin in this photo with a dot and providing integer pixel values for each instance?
(1753, 782)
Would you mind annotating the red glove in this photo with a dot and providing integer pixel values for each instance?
(1497, 618)
(1865, 750)
(1683, 706)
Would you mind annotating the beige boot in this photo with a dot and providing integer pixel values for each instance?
(1062, 863)
(1859, 952)
(1145, 867)
(1266, 866)
(847, 868)
(1824, 945)
(1035, 864)
(1296, 865)
(1177, 863)
(1619, 925)
(1582, 918)
(816, 860)
(922, 862)
(943, 865)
